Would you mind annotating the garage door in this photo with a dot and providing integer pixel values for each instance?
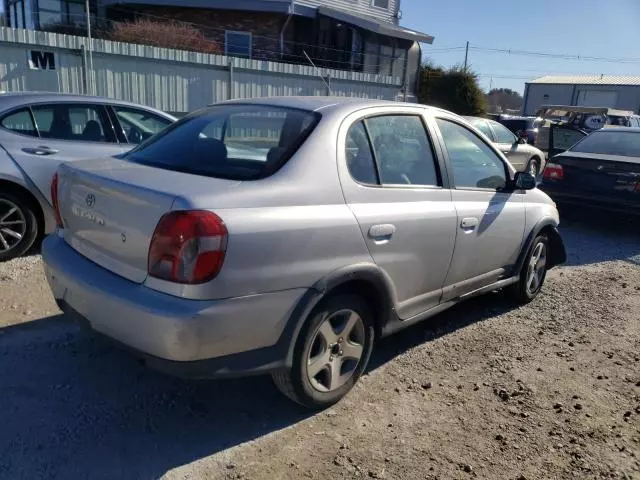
(597, 98)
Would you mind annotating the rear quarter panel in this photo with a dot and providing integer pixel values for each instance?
(287, 231)
(10, 172)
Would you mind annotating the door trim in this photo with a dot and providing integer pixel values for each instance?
(460, 289)
(417, 305)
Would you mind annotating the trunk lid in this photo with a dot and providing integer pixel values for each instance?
(111, 207)
(598, 174)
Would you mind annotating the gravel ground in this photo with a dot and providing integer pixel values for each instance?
(485, 390)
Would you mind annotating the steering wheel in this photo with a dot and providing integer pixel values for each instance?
(405, 179)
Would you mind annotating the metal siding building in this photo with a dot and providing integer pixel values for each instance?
(590, 91)
(175, 81)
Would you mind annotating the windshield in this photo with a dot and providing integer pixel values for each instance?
(240, 142)
(610, 142)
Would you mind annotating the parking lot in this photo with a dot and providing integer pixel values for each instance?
(486, 390)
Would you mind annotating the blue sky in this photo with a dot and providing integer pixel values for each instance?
(596, 28)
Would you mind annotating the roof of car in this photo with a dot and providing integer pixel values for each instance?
(321, 103)
(616, 128)
(16, 99)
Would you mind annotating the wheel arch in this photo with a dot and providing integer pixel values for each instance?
(557, 255)
(24, 193)
(366, 280)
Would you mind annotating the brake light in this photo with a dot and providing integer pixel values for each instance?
(553, 171)
(188, 247)
(54, 200)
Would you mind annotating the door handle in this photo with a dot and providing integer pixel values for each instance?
(382, 233)
(469, 223)
(41, 150)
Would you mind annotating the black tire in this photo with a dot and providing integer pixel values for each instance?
(522, 291)
(29, 233)
(534, 166)
(294, 383)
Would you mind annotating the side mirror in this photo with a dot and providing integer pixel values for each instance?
(524, 181)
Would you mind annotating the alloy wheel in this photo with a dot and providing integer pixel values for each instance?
(533, 168)
(13, 225)
(536, 269)
(336, 350)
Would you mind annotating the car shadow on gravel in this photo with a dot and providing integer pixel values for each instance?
(456, 318)
(73, 406)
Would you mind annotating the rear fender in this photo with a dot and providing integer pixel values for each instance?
(11, 173)
(364, 274)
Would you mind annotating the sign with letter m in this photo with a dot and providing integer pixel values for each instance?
(41, 60)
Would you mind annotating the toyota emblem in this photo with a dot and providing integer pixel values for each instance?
(90, 200)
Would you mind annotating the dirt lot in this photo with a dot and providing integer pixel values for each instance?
(486, 390)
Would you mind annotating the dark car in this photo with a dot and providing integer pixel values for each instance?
(601, 171)
(523, 127)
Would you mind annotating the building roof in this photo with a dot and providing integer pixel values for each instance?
(375, 25)
(588, 80)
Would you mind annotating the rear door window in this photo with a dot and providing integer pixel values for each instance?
(403, 151)
(75, 122)
(242, 142)
(20, 122)
(502, 134)
(360, 161)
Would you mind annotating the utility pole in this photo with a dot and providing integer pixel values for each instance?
(466, 57)
(90, 83)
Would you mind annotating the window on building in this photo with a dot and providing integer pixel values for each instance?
(76, 12)
(17, 14)
(237, 44)
(49, 13)
(381, 4)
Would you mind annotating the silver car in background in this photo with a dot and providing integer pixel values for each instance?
(286, 235)
(38, 131)
(524, 157)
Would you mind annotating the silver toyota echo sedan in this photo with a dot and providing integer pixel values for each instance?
(286, 235)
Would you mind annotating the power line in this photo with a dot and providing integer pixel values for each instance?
(561, 56)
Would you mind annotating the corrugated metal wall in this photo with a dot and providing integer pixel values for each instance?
(171, 80)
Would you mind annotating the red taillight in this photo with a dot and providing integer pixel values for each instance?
(188, 247)
(553, 171)
(54, 200)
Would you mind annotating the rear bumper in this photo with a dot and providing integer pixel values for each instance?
(585, 201)
(188, 338)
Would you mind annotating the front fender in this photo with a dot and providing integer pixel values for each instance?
(558, 254)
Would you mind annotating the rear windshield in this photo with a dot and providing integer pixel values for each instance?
(610, 142)
(239, 142)
(516, 125)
